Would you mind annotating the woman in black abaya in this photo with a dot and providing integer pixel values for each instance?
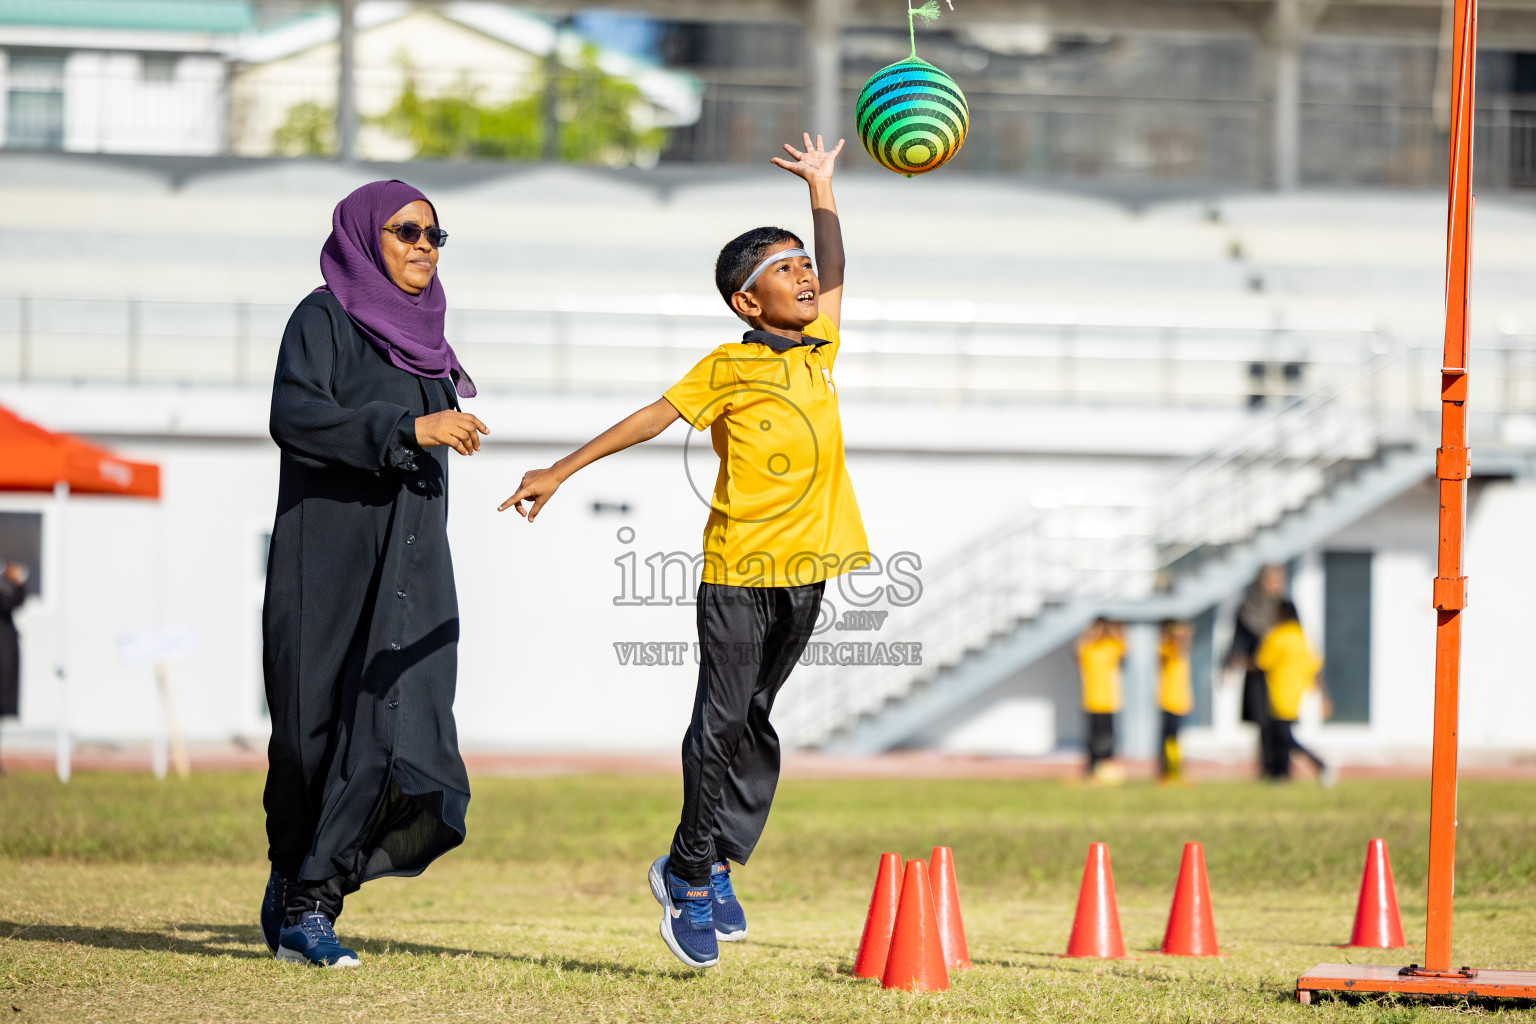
(1256, 616)
(360, 624)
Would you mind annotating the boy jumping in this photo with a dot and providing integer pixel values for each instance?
(782, 521)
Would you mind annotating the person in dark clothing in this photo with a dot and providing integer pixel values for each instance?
(360, 623)
(13, 580)
(1256, 616)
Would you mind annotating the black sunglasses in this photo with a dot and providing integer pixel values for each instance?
(410, 233)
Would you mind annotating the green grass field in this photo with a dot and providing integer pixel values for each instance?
(123, 899)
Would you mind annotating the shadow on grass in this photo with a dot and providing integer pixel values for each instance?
(790, 946)
(383, 947)
(221, 940)
(245, 942)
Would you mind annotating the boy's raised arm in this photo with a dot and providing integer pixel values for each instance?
(539, 485)
(816, 166)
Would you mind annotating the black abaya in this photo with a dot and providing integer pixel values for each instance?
(1245, 644)
(11, 596)
(360, 626)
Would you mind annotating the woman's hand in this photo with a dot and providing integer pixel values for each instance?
(458, 430)
(538, 486)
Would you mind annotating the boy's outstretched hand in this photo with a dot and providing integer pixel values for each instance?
(538, 486)
(813, 164)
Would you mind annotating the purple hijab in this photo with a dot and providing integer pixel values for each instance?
(407, 329)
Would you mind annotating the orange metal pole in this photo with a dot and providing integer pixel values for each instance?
(1435, 977)
(1451, 469)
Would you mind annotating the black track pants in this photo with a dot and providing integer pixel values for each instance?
(326, 897)
(750, 639)
(1282, 741)
(1168, 755)
(1101, 739)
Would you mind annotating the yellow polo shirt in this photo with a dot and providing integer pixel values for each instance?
(782, 513)
(1099, 663)
(1290, 668)
(1175, 696)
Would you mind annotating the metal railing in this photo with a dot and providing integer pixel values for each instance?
(950, 351)
(1081, 551)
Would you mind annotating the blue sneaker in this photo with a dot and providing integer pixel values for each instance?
(730, 919)
(313, 941)
(274, 907)
(687, 922)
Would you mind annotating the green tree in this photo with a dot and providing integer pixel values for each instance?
(596, 112)
(309, 129)
(455, 125)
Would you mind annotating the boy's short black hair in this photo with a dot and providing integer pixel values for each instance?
(1287, 612)
(743, 253)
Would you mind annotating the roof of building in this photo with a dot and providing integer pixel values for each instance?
(216, 16)
(676, 93)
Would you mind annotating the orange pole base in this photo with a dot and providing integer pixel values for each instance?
(1367, 978)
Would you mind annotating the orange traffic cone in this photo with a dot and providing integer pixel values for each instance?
(1096, 928)
(946, 907)
(876, 940)
(916, 959)
(1377, 922)
(1191, 928)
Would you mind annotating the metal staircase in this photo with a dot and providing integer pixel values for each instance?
(1276, 490)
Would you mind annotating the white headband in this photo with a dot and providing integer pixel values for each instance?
(787, 254)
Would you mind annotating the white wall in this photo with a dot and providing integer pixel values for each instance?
(538, 667)
(109, 107)
(536, 602)
(1499, 701)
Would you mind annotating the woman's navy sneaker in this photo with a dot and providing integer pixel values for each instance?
(687, 918)
(313, 941)
(730, 919)
(274, 907)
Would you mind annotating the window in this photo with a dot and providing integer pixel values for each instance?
(157, 67)
(21, 540)
(34, 102)
(1347, 633)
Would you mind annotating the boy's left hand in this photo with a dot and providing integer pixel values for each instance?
(815, 163)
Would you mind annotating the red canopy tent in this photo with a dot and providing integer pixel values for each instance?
(35, 459)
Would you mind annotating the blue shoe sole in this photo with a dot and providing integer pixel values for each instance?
(657, 876)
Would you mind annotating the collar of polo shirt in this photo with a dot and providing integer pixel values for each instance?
(778, 342)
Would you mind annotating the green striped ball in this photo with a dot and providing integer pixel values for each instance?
(912, 117)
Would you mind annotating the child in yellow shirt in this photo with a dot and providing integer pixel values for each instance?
(1175, 696)
(782, 521)
(1100, 651)
(1290, 669)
